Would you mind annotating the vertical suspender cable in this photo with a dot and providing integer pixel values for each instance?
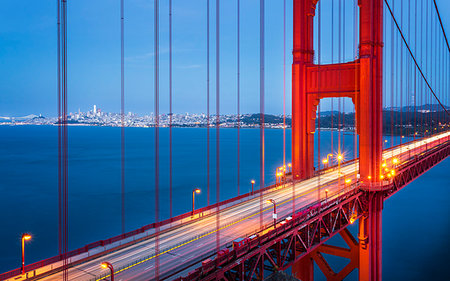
(343, 60)
(64, 142)
(217, 123)
(401, 76)
(421, 60)
(170, 112)
(318, 88)
(332, 61)
(60, 231)
(284, 83)
(393, 79)
(238, 100)
(355, 32)
(429, 68)
(208, 170)
(415, 71)
(436, 53)
(261, 107)
(122, 112)
(339, 99)
(156, 116)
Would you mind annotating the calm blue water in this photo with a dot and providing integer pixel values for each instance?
(28, 188)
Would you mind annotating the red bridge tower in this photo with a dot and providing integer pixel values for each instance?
(360, 80)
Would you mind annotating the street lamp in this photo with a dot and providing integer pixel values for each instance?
(326, 161)
(339, 158)
(111, 268)
(274, 215)
(326, 195)
(289, 166)
(347, 182)
(253, 185)
(395, 161)
(194, 191)
(25, 236)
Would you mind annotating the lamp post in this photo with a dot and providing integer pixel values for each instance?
(253, 185)
(326, 161)
(111, 268)
(326, 195)
(25, 237)
(339, 158)
(194, 191)
(347, 182)
(274, 215)
(289, 167)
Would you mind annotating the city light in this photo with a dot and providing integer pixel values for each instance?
(347, 181)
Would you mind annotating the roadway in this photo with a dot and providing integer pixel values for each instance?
(192, 242)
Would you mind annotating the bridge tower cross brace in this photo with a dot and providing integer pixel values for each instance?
(360, 80)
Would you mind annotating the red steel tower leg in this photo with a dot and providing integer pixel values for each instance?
(370, 240)
(370, 101)
(303, 51)
(304, 269)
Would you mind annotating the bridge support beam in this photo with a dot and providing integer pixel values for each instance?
(370, 238)
(304, 269)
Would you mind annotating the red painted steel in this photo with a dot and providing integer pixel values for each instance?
(360, 80)
(292, 242)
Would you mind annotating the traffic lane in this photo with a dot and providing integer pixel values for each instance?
(191, 253)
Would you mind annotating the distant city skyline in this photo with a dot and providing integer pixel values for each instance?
(28, 69)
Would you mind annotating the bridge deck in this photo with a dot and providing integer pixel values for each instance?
(188, 244)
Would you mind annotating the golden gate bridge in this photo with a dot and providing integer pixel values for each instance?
(399, 48)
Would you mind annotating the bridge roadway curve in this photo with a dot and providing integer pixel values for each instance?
(194, 241)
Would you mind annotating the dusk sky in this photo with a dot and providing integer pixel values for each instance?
(28, 55)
